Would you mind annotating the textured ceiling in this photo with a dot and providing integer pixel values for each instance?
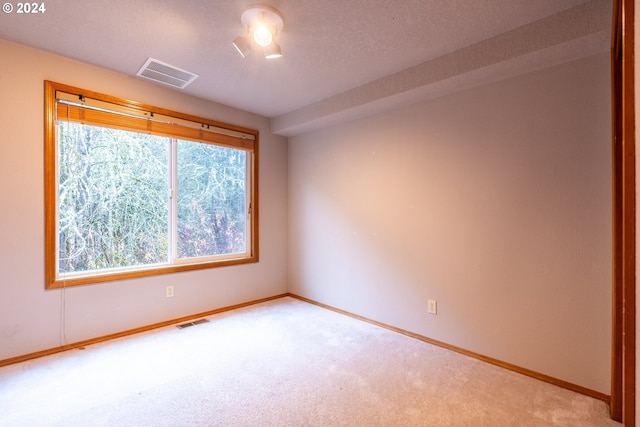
(342, 58)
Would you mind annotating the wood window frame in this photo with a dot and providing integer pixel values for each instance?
(225, 135)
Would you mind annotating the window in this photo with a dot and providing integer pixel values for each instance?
(133, 190)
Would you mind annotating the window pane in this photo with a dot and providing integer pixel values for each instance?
(212, 209)
(113, 198)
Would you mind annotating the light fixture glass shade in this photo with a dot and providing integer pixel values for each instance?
(263, 23)
(242, 45)
(262, 35)
(272, 51)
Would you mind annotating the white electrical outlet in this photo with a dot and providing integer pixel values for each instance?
(169, 291)
(432, 306)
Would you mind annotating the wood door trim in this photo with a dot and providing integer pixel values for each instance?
(624, 214)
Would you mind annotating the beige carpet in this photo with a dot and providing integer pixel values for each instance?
(280, 363)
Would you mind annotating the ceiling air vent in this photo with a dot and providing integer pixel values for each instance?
(164, 73)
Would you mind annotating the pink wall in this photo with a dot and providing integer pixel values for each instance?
(30, 317)
(494, 201)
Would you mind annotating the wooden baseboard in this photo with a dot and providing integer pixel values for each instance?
(511, 367)
(84, 343)
(542, 377)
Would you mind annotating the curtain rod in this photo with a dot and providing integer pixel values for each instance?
(82, 101)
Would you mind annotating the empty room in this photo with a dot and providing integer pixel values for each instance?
(367, 212)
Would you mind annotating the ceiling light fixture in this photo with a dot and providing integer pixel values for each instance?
(263, 24)
(243, 45)
(272, 51)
